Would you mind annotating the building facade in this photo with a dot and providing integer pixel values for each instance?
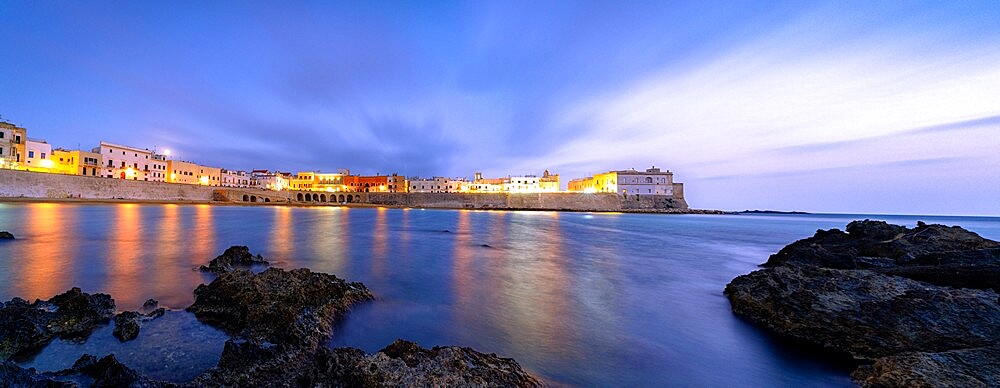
(193, 173)
(37, 157)
(318, 181)
(437, 185)
(653, 181)
(124, 162)
(12, 147)
(268, 180)
(76, 162)
(232, 178)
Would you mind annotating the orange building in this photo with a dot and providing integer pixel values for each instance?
(375, 183)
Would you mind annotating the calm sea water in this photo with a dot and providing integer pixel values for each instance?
(578, 299)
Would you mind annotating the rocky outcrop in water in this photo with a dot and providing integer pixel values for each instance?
(234, 256)
(916, 306)
(127, 323)
(279, 322)
(5, 235)
(276, 306)
(25, 326)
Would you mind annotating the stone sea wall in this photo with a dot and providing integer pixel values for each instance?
(56, 186)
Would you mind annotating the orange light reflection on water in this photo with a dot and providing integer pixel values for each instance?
(379, 241)
(124, 253)
(45, 254)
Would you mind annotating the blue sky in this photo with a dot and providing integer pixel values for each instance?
(887, 107)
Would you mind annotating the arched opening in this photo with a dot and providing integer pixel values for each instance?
(322, 197)
(357, 198)
(342, 198)
(246, 197)
(349, 199)
(315, 197)
(267, 199)
(253, 198)
(299, 197)
(649, 180)
(366, 189)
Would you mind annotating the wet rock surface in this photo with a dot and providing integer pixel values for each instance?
(977, 367)
(5, 235)
(277, 306)
(25, 327)
(234, 257)
(915, 306)
(279, 322)
(128, 323)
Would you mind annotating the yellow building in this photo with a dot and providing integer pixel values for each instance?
(76, 162)
(193, 174)
(317, 181)
(12, 147)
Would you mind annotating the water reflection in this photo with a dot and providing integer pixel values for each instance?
(202, 236)
(44, 259)
(380, 240)
(124, 254)
(581, 299)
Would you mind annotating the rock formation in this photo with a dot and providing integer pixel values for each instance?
(5, 235)
(234, 256)
(25, 326)
(280, 322)
(127, 323)
(914, 306)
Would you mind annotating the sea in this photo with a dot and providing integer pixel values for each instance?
(578, 299)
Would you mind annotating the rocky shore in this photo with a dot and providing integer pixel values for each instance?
(912, 306)
(278, 322)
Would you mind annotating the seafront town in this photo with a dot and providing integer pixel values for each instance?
(117, 161)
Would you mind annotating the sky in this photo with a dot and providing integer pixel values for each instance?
(842, 106)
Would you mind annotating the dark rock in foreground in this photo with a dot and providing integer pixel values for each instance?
(86, 371)
(234, 256)
(977, 367)
(294, 307)
(5, 235)
(863, 313)
(937, 254)
(127, 323)
(920, 303)
(280, 321)
(25, 326)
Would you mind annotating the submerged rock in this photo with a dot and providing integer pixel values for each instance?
(74, 313)
(150, 305)
(234, 256)
(5, 235)
(127, 323)
(919, 304)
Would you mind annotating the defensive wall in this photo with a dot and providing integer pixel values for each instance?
(56, 186)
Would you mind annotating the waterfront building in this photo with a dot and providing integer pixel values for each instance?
(12, 147)
(375, 183)
(516, 184)
(193, 173)
(268, 180)
(76, 162)
(319, 181)
(37, 158)
(653, 181)
(124, 162)
(232, 178)
(437, 185)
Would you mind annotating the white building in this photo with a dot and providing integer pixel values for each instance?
(650, 182)
(276, 181)
(38, 155)
(232, 178)
(124, 162)
(438, 185)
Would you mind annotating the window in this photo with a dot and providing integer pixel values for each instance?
(1, 149)
(31, 154)
(43, 155)
(2, 134)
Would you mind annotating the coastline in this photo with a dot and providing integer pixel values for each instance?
(112, 201)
